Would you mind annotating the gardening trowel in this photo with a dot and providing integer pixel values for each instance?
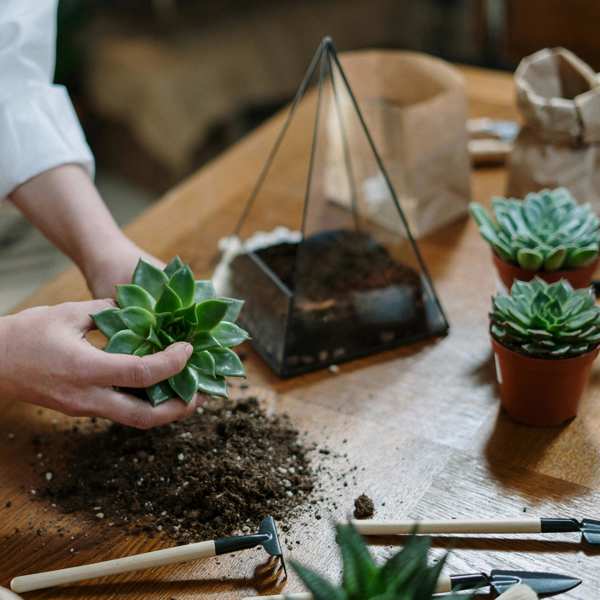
(589, 528)
(499, 581)
(266, 537)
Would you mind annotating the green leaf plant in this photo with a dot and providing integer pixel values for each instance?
(159, 308)
(547, 231)
(406, 575)
(546, 320)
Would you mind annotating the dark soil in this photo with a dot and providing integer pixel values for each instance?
(214, 474)
(363, 507)
(351, 298)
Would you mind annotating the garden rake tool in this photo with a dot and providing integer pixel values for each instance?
(266, 537)
(589, 528)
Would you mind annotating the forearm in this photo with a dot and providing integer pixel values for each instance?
(64, 204)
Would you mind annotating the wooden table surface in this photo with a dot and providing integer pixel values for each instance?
(422, 423)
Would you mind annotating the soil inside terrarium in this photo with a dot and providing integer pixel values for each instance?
(350, 296)
(219, 472)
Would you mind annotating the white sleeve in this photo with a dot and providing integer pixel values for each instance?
(39, 128)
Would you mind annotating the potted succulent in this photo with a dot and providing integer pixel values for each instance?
(548, 234)
(159, 308)
(405, 575)
(545, 338)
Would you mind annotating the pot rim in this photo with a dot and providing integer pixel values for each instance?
(545, 361)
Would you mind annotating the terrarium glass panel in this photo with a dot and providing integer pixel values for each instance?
(322, 254)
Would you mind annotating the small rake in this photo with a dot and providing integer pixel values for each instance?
(266, 537)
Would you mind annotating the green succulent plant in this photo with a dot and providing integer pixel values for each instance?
(159, 308)
(546, 320)
(404, 576)
(546, 231)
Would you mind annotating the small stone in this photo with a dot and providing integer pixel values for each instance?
(180, 457)
(334, 369)
(100, 515)
(49, 475)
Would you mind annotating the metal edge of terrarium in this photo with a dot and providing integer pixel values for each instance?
(331, 50)
(286, 372)
(307, 191)
(268, 163)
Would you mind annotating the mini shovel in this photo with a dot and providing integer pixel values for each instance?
(266, 537)
(544, 584)
(589, 528)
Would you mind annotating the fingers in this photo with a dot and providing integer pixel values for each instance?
(79, 313)
(131, 411)
(135, 371)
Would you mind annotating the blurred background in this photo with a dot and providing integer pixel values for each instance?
(163, 86)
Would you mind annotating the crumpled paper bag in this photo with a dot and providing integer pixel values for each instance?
(558, 96)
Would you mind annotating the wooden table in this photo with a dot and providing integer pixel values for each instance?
(422, 423)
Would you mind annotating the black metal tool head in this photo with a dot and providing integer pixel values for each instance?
(590, 530)
(271, 544)
(544, 584)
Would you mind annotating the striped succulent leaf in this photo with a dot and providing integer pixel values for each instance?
(546, 231)
(546, 320)
(159, 308)
(406, 575)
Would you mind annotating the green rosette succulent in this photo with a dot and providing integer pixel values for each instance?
(546, 231)
(159, 308)
(546, 320)
(406, 575)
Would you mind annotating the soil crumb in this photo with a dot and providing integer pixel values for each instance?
(363, 507)
(217, 473)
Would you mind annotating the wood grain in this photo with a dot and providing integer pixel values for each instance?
(422, 424)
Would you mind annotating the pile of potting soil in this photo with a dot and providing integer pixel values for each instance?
(219, 472)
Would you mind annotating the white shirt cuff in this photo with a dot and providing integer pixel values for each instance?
(39, 130)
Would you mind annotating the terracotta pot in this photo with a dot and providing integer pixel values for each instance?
(538, 391)
(578, 278)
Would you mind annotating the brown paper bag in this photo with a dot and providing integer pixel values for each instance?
(416, 110)
(558, 96)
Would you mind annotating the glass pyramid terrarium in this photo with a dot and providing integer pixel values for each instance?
(324, 281)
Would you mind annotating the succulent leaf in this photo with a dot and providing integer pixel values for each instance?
(209, 313)
(204, 362)
(173, 266)
(149, 277)
(133, 295)
(213, 386)
(159, 393)
(227, 363)
(109, 322)
(546, 320)
(546, 231)
(138, 319)
(163, 307)
(169, 301)
(185, 383)
(183, 284)
(204, 290)
(124, 342)
(229, 334)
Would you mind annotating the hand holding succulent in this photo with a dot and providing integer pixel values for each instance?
(546, 320)
(159, 308)
(546, 231)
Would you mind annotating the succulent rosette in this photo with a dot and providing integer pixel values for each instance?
(546, 320)
(547, 231)
(161, 307)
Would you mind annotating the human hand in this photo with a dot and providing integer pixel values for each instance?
(46, 360)
(115, 265)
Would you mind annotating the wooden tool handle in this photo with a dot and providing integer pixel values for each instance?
(148, 560)
(528, 525)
